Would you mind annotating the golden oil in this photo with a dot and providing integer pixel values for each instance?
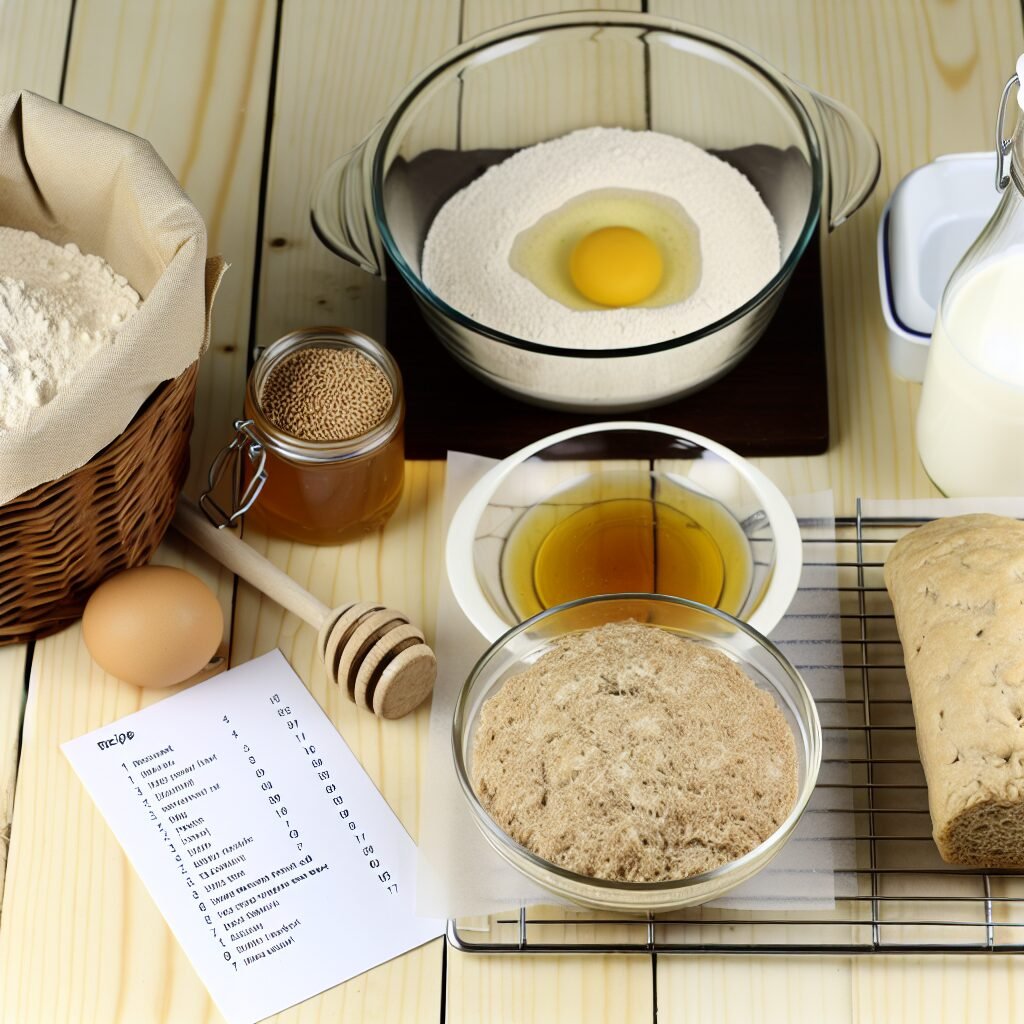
(626, 531)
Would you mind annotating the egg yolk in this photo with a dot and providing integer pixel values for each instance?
(616, 266)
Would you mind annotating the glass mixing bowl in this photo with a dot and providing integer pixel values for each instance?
(522, 499)
(540, 78)
(757, 657)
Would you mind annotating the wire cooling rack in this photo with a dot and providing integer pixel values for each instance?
(893, 893)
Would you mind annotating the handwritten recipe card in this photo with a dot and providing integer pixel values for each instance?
(278, 865)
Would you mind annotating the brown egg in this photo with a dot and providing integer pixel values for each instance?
(152, 626)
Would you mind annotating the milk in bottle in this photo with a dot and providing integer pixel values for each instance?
(970, 426)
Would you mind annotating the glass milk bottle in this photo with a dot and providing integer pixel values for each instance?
(970, 427)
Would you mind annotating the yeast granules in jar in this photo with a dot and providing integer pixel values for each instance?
(327, 406)
(326, 394)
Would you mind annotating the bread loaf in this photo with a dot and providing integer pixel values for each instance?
(957, 588)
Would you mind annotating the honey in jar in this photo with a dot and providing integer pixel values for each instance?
(321, 446)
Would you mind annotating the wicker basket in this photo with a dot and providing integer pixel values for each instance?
(60, 539)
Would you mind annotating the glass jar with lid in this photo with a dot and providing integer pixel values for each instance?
(316, 492)
(970, 426)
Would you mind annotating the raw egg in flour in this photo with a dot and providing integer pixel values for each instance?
(611, 248)
(616, 266)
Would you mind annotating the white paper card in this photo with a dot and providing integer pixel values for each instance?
(278, 865)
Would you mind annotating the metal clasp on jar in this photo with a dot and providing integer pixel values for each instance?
(246, 444)
(1003, 144)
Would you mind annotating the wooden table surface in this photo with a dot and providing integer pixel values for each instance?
(247, 101)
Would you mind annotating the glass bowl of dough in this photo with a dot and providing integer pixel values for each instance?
(597, 211)
(622, 506)
(636, 752)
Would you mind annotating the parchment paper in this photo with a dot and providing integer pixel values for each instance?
(457, 872)
(939, 508)
(70, 178)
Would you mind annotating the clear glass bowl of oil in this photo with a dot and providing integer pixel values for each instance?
(623, 507)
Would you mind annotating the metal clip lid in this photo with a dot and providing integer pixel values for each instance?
(246, 443)
(1003, 144)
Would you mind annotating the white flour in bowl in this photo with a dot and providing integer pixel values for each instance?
(466, 252)
(58, 307)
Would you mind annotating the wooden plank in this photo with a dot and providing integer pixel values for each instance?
(32, 39)
(33, 34)
(399, 567)
(534, 94)
(80, 938)
(303, 284)
(340, 67)
(566, 989)
(12, 695)
(483, 15)
(201, 101)
(756, 990)
(936, 990)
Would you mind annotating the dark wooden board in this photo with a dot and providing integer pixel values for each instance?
(775, 402)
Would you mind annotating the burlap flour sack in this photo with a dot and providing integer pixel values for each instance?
(72, 179)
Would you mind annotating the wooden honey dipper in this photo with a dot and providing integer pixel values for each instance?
(373, 653)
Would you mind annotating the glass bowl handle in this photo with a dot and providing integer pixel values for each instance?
(342, 210)
(852, 157)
